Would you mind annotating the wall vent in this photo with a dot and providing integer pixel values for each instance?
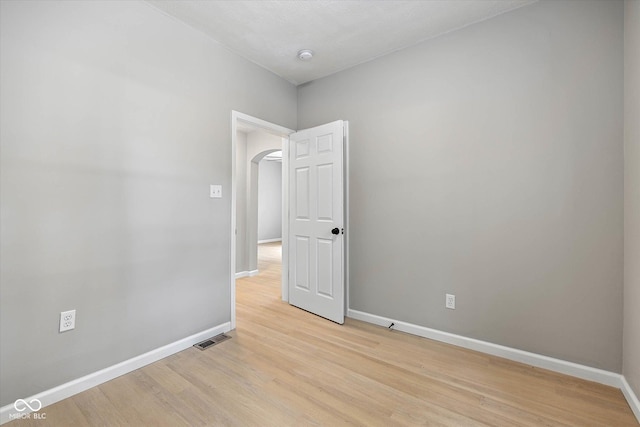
(210, 342)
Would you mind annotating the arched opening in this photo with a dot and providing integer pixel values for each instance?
(253, 145)
(254, 192)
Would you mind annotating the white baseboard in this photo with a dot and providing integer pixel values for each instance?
(79, 385)
(242, 274)
(557, 365)
(631, 397)
(269, 241)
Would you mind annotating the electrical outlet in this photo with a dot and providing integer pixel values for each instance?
(67, 320)
(215, 191)
(450, 301)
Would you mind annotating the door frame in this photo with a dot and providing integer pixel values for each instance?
(237, 118)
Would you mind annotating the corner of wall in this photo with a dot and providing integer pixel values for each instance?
(631, 333)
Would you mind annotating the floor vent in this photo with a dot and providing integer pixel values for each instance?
(211, 341)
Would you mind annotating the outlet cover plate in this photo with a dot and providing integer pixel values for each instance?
(67, 320)
(450, 301)
(215, 191)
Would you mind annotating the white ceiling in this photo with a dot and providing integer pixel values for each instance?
(341, 33)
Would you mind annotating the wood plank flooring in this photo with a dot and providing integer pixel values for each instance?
(287, 367)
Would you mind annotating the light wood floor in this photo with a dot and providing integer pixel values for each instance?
(286, 367)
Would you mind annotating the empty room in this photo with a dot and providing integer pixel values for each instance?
(292, 213)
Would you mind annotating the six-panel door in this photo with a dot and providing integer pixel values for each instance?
(316, 281)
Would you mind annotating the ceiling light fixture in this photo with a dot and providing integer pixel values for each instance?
(305, 55)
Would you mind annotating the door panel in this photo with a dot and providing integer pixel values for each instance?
(317, 256)
(301, 253)
(325, 258)
(303, 203)
(325, 192)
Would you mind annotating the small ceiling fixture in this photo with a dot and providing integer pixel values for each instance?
(305, 55)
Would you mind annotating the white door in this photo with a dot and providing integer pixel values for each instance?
(316, 220)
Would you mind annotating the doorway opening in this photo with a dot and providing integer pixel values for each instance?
(314, 213)
(253, 140)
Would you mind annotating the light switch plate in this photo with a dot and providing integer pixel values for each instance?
(215, 191)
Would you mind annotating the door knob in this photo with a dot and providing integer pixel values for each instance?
(335, 231)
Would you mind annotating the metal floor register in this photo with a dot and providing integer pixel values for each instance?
(210, 342)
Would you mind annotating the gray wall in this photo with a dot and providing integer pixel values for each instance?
(114, 120)
(631, 369)
(488, 163)
(270, 200)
